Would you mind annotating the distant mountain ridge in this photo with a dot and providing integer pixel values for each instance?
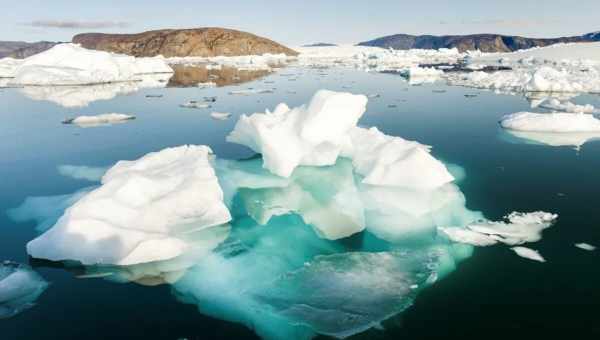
(195, 42)
(22, 49)
(482, 42)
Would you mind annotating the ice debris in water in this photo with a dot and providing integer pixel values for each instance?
(528, 253)
(71, 64)
(518, 228)
(101, 119)
(585, 246)
(142, 212)
(20, 287)
(567, 106)
(82, 172)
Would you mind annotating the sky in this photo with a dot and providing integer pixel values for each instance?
(300, 21)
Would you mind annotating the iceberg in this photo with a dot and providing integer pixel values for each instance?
(551, 122)
(316, 135)
(312, 135)
(71, 64)
(20, 287)
(142, 212)
(97, 120)
(220, 115)
(566, 106)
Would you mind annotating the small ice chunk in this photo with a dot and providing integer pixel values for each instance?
(585, 246)
(528, 253)
(101, 119)
(140, 213)
(220, 115)
(20, 287)
(192, 104)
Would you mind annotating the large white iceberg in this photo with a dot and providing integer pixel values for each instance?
(316, 135)
(307, 135)
(71, 64)
(20, 287)
(143, 211)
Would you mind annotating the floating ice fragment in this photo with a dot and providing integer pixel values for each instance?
(528, 253)
(220, 115)
(518, 228)
(141, 213)
(192, 104)
(97, 120)
(20, 287)
(567, 106)
(585, 246)
(551, 122)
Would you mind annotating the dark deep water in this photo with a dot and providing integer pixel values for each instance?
(492, 294)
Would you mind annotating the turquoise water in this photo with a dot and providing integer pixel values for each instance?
(493, 292)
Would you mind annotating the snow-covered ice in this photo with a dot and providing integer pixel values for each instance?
(100, 119)
(71, 64)
(307, 135)
(567, 106)
(143, 211)
(20, 287)
(551, 122)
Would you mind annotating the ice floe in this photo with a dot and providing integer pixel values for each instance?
(71, 64)
(144, 211)
(567, 106)
(97, 120)
(528, 253)
(20, 287)
(551, 122)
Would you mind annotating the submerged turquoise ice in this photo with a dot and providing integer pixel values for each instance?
(275, 269)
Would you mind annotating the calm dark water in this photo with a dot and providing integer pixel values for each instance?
(493, 294)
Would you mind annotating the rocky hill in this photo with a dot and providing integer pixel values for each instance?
(482, 42)
(197, 42)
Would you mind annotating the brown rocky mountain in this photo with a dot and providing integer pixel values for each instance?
(196, 42)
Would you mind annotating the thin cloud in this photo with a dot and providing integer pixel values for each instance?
(74, 24)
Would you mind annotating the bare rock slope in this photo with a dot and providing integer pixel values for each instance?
(197, 42)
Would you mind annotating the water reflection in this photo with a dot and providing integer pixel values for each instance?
(190, 76)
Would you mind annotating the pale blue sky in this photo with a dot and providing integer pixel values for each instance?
(299, 22)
